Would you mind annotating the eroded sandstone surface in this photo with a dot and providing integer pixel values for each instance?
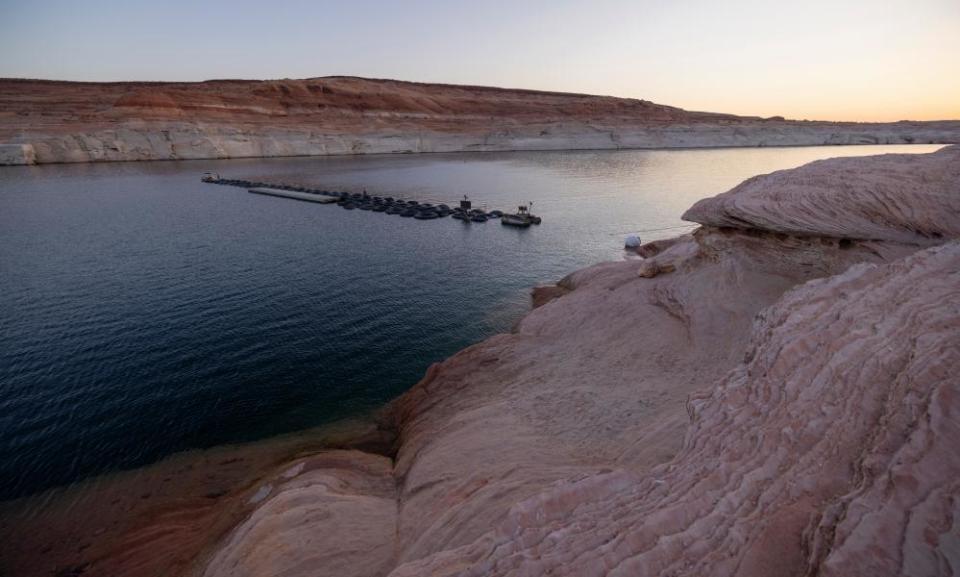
(47, 121)
(773, 394)
(904, 198)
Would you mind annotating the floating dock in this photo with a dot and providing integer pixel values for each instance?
(463, 212)
(307, 196)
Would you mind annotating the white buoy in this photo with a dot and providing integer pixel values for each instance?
(633, 241)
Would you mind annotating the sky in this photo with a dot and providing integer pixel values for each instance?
(876, 60)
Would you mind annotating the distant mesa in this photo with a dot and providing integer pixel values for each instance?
(117, 121)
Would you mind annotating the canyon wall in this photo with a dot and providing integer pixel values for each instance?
(49, 122)
(771, 394)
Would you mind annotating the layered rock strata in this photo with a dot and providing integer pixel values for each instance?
(46, 122)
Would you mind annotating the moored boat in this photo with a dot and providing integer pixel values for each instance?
(515, 220)
(522, 218)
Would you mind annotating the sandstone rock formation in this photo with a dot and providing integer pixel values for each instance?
(837, 198)
(815, 455)
(771, 394)
(335, 512)
(45, 121)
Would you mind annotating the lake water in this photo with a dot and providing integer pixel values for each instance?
(144, 313)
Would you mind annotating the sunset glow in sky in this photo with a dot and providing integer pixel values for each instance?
(816, 59)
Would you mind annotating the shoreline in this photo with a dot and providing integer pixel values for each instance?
(200, 492)
(24, 154)
(721, 146)
(499, 151)
(706, 409)
(546, 449)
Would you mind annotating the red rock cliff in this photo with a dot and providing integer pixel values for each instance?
(47, 121)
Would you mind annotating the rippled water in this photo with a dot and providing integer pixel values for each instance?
(145, 313)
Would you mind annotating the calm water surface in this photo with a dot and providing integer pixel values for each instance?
(143, 312)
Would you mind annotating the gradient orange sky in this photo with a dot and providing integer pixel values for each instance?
(817, 59)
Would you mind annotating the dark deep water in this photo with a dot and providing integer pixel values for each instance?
(144, 313)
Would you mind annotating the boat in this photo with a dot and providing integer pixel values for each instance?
(478, 217)
(210, 177)
(522, 218)
(515, 220)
